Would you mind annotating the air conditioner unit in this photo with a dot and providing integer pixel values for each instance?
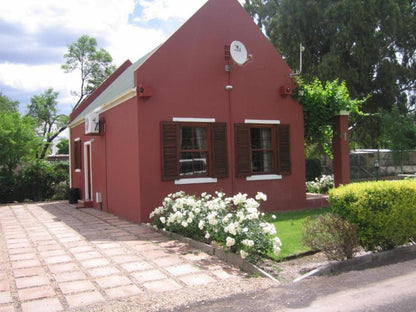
(92, 124)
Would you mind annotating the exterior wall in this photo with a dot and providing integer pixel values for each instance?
(188, 78)
(114, 162)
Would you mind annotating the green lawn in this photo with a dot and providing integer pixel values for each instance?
(289, 229)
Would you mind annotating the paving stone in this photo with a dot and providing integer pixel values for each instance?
(7, 308)
(94, 262)
(69, 276)
(136, 266)
(76, 286)
(147, 276)
(4, 285)
(168, 261)
(87, 255)
(84, 299)
(113, 281)
(37, 280)
(162, 285)
(42, 305)
(25, 264)
(5, 297)
(182, 269)
(103, 271)
(63, 267)
(58, 259)
(123, 291)
(36, 292)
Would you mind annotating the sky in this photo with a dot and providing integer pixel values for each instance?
(35, 34)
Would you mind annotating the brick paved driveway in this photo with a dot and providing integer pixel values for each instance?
(54, 257)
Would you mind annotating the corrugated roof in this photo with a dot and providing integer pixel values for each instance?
(123, 83)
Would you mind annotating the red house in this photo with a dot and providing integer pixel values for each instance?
(197, 114)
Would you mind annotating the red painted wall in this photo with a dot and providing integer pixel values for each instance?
(188, 78)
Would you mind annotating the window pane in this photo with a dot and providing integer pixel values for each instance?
(193, 163)
(266, 138)
(200, 138)
(255, 138)
(186, 138)
(267, 162)
(256, 161)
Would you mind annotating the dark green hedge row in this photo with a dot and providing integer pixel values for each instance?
(384, 211)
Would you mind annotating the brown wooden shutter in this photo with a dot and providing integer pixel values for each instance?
(242, 151)
(219, 150)
(169, 139)
(284, 164)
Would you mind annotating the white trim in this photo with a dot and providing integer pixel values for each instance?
(77, 170)
(196, 181)
(77, 139)
(342, 113)
(191, 119)
(88, 171)
(263, 177)
(105, 107)
(262, 121)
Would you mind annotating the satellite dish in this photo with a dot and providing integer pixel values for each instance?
(238, 52)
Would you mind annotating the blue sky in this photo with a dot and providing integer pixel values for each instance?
(34, 35)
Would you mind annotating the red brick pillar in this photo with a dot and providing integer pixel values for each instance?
(340, 146)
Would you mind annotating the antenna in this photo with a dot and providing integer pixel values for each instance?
(301, 50)
(238, 53)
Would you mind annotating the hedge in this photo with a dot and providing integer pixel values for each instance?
(384, 211)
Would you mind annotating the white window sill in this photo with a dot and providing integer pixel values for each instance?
(196, 181)
(263, 177)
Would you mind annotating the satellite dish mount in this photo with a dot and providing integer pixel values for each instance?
(238, 53)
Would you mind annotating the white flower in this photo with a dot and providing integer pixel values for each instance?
(239, 199)
(212, 218)
(184, 224)
(163, 220)
(261, 196)
(277, 241)
(207, 235)
(229, 241)
(252, 204)
(248, 242)
(231, 228)
(274, 217)
(201, 224)
(243, 254)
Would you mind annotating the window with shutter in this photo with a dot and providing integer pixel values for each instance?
(262, 149)
(77, 154)
(192, 150)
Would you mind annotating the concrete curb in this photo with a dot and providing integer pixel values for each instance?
(369, 260)
(224, 255)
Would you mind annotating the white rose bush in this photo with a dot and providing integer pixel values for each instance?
(233, 222)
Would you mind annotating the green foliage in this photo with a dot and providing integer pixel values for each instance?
(63, 146)
(42, 180)
(313, 168)
(321, 103)
(384, 211)
(94, 65)
(49, 124)
(368, 44)
(333, 235)
(18, 140)
(7, 105)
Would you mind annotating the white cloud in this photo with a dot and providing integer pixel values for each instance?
(168, 9)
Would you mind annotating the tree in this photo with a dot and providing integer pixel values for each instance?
(94, 65)
(321, 103)
(63, 146)
(49, 124)
(18, 140)
(7, 105)
(368, 44)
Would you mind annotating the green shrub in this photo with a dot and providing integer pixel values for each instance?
(313, 168)
(384, 211)
(333, 235)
